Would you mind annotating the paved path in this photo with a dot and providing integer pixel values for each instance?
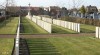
(48, 35)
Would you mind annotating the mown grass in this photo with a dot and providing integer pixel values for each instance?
(31, 28)
(41, 46)
(87, 28)
(6, 46)
(10, 27)
(64, 46)
(61, 30)
(77, 45)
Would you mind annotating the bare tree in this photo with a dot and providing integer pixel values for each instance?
(7, 4)
(77, 3)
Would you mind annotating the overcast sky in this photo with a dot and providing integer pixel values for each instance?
(61, 3)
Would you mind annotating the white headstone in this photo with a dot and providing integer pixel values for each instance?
(79, 28)
(99, 33)
(72, 26)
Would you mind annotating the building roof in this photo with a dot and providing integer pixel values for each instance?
(91, 9)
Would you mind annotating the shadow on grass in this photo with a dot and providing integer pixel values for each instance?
(41, 46)
(29, 27)
(83, 30)
(4, 23)
(62, 30)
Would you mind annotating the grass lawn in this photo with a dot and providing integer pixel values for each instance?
(59, 29)
(31, 28)
(87, 28)
(41, 46)
(6, 46)
(77, 45)
(64, 46)
(10, 27)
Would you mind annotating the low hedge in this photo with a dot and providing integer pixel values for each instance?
(2, 18)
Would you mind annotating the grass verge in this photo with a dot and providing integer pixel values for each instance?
(61, 30)
(41, 46)
(10, 27)
(87, 28)
(64, 46)
(77, 45)
(31, 28)
(6, 46)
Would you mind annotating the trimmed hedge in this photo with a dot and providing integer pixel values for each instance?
(2, 18)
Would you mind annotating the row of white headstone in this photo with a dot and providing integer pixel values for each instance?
(34, 19)
(17, 40)
(66, 24)
(37, 17)
(98, 32)
(45, 25)
(29, 16)
(47, 19)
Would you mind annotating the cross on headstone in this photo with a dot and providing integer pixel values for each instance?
(29, 4)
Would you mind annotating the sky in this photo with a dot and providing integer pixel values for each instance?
(61, 3)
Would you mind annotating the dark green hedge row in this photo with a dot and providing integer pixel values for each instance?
(2, 18)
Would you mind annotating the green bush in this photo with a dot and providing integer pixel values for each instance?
(2, 18)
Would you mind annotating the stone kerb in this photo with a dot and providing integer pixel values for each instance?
(17, 39)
